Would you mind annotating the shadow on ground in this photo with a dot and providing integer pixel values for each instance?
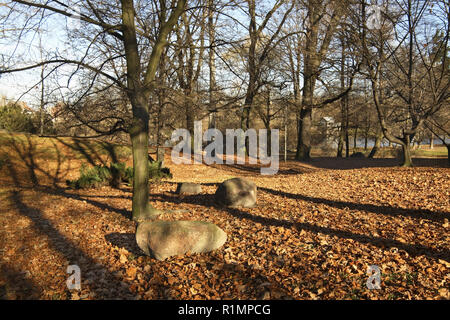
(207, 200)
(71, 252)
(17, 285)
(124, 240)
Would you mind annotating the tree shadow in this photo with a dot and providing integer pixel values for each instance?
(243, 280)
(124, 240)
(233, 274)
(208, 200)
(85, 149)
(203, 199)
(17, 284)
(294, 167)
(200, 183)
(25, 155)
(103, 206)
(40, 162)
(73, 254)
(412, 249)
(291, 168)
(378, 209)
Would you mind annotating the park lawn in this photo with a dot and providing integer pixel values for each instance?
(313, 234)
(436, 152)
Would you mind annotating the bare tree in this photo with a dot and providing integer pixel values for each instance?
(321, 23)
(418, 86)
(121, 31)
(259, 47)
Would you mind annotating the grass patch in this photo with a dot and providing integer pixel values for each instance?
(436, 152)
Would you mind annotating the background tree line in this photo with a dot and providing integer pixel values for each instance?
(323, 72)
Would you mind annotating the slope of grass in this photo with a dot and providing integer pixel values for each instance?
(26, 158)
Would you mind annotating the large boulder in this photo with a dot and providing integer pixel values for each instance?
(237, 192)
(163, 239)
(188, 188)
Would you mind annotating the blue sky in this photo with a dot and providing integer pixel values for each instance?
(53, 35)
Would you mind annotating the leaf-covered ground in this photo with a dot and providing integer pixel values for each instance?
(314, 233)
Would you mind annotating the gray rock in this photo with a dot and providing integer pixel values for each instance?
(163, 239)
(188, 188)
(237, 192)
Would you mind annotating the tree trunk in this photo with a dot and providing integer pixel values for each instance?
(139, 93)
(285, 132)
(304, 135)
(305, 119)
(448, 153)
(377, 144)
(347, 139)
(406, 159)
(190, 118)
(313, 54)
(245, 119)
(142, 210)
(42, 108)
(212, 69)
(251, 89)
(252, 71)
(342, 102)
(269, 139)
(341, 142)
(355, 138)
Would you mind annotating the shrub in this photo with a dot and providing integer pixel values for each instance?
(156, 172)
(13, 118)
(91, 178)
(113, 175)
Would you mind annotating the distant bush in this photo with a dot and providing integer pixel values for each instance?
(94, 177)
(114, 175)
(13, 118)
(48, 127)
(156, 172)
